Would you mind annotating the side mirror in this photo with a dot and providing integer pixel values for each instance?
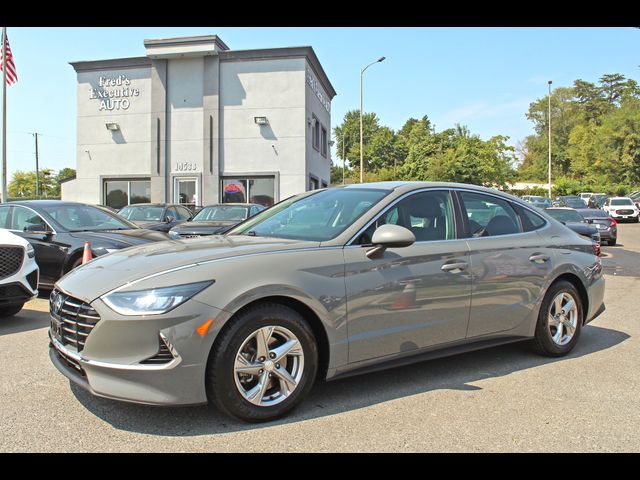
(390, 236)
(169, 219)
(37, 229)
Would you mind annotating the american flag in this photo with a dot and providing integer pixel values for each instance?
(12, 76)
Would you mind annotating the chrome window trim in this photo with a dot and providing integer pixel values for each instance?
(522, 204)
(391, 205)
(452, 189)
(38, 214)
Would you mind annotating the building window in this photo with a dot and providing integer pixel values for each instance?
(120, 193)
(315, 132)
(324, 142)
(324, 184)
(259, 190)
(314, 183)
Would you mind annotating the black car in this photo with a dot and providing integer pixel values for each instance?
(215, 219)
(576, 222)
(156, 216)
(606, 225)
(57, 230)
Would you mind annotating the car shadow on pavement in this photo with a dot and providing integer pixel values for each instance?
(24, 321)
(340, 396)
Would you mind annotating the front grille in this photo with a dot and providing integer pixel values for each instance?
(163, 356)
(10, 260)
(77, 319)
(624, 212)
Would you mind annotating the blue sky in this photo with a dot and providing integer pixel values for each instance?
(482, 77)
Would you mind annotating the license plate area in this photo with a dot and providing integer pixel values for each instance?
(56, 328)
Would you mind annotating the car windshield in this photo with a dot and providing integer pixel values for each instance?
(621, 201)
(79, 218)
(142, 214)
(316, 216)
(566, 216)
(209, 214)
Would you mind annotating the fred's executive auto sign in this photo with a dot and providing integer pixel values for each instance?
(114, 93)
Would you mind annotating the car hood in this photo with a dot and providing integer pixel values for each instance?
(120, 238)
(209, 227)
(117, 269)
(150, 224)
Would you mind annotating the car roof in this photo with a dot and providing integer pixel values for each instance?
(45, 203)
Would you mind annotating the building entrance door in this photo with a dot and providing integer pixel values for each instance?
(185, 191)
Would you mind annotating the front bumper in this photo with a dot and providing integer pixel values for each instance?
(19, 288)
(617, 216)
(111, 363)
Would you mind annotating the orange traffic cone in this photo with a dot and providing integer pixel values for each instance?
(86, 254)
(407, 298)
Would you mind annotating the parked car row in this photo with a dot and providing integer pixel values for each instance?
(57, 230)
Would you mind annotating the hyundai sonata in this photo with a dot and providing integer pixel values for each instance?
(323, 285)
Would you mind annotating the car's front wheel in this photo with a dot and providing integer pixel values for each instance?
(559, 321)
(263, 364)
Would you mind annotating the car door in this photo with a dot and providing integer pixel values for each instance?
(50, 252)
(508, 265)
(412, 297)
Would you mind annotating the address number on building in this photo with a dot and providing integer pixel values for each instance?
(186, 167)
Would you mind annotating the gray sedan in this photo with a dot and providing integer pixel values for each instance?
(323, 285)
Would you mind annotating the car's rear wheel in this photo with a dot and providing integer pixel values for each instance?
(10, 310)
(559, 321)
(263, 364)
(612, 242)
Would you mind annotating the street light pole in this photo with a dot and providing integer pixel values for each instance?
(550, 82)
(361, 140)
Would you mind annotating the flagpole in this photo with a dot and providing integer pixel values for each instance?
(4, 114)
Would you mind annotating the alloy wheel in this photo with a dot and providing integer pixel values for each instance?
(268, 366)
(563, 318)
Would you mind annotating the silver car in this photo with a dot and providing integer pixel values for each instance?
(323, 285)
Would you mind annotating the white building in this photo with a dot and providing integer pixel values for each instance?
(197, 123)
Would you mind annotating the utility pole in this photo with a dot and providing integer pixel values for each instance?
(381, 59)
(37, 169)
(550, 82)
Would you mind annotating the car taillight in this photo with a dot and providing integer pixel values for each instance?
(597, 251)
(613, 221)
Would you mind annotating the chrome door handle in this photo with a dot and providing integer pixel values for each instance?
(454, 267)
(538, 258)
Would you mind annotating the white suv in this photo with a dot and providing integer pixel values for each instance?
(18, 273)
(621, 208)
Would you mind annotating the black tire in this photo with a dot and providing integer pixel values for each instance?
(221, 386)
(543, 343)
(10, 310)
(612, 242)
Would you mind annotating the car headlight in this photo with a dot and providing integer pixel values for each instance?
(30, 251)
(174, 235)
(155, 301)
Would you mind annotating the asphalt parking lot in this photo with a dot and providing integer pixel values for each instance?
(500, 399)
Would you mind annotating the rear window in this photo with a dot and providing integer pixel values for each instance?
(621, 201)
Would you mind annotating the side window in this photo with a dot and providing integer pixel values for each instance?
(23, 217)
(4, 215)
(253, 211)
(183, 213)
(530, 220)
(172, 212)
(429, 215)
(489, 216)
